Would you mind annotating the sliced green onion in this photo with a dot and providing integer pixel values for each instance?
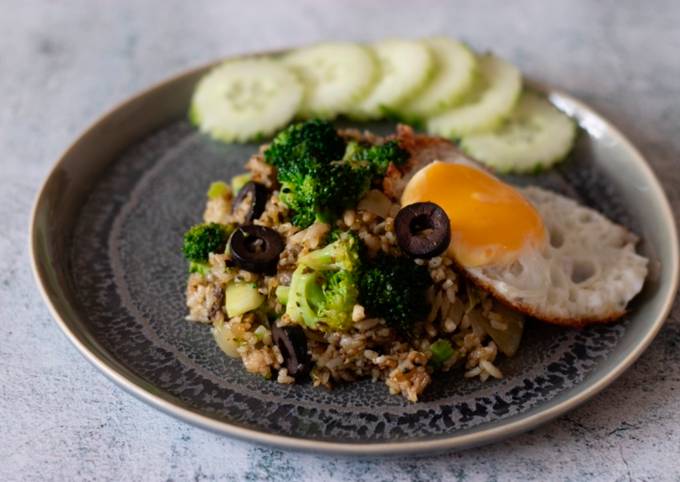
(441, 352)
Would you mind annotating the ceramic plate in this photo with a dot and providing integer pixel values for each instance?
(106, 236)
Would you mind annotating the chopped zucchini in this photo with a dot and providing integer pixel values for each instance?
(241, 298)
(218, 189)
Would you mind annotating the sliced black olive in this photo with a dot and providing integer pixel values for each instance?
(292, 344)
(258, 200)
(423, 230)
(256, 248)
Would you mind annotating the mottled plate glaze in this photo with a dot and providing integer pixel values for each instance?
(105, 241)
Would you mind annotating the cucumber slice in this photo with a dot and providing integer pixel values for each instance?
(405, 66)
(240, 298)
(501, 84)
(453, 77)
(243, 100)
(336, 76)
(536, 136)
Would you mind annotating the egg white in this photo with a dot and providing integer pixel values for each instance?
(587, 271)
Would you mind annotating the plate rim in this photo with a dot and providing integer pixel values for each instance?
(453, 442)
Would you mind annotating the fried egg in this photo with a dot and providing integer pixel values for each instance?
(537, 251)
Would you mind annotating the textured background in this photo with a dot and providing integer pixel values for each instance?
(62, 63)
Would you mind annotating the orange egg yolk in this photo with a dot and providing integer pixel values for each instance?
(491, 223)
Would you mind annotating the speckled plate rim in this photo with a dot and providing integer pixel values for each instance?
(513, 426)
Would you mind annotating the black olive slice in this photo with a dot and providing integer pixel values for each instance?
(292, 344)
(258, 200)
(423, 230)
(256, 248)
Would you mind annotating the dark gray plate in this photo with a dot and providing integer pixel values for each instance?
(106, 236)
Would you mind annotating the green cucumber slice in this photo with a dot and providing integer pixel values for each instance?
(336, 76)
(243, 100)
(455, 66)
(536, 136)
(493, 100)
(405, 66)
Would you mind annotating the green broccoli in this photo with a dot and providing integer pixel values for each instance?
(321, 193)
(377, 158)
(320, 174)
(308, 145)
(203, 239)
(323, 288)
(200, 267)
(341, 254)
(315, 183)
(394, 288)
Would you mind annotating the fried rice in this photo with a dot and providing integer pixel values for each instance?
(458, 311)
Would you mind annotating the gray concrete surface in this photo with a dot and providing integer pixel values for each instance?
(62, 63)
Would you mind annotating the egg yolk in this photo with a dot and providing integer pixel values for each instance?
(491, 223)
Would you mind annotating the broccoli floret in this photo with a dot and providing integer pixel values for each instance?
(376, 158)
(320, 174)
(394, 288)
(339, 298)
(323, 288)
(341, 254)
(306, 144)
(320, 194)
(316, 183)
(200, 267)
(381, 156)
(203, 239)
